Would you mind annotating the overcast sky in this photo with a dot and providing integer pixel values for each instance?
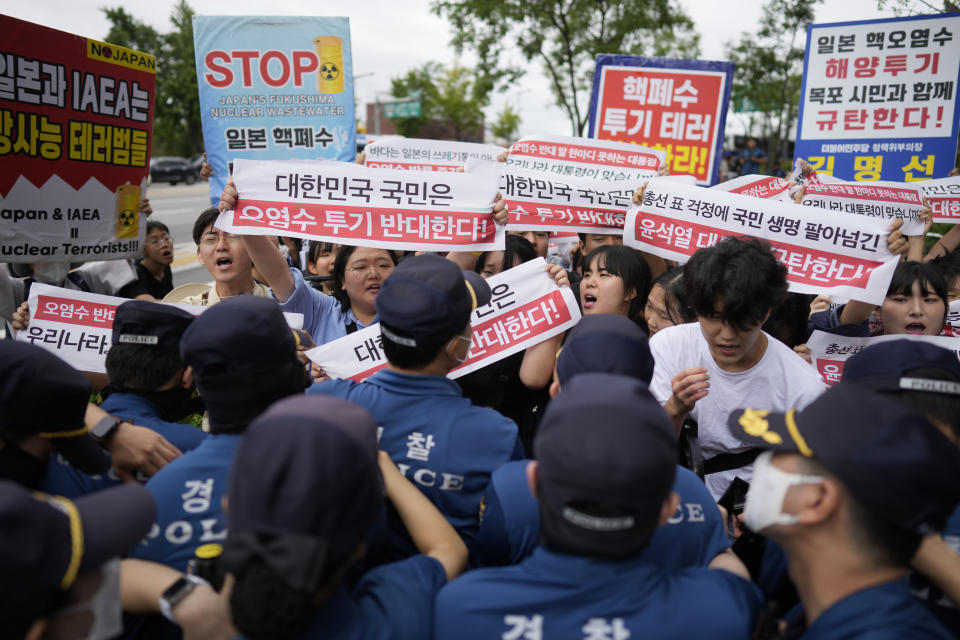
(391, 37)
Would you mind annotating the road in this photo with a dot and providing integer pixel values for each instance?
(177, 207)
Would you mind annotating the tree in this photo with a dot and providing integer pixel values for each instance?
(176, 122)
(916, 7)
(769, 71)
(451, 97)
(506, 127)
(565, 36)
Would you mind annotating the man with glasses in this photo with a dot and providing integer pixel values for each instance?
(153, 269)
(227, 261)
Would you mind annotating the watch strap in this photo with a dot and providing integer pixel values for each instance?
(176, 592)
(105, 427)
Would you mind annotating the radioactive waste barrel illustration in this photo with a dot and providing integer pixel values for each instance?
(330, 76)
(128, 211)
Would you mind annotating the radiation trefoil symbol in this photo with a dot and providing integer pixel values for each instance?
(329, 71)
(127, 217)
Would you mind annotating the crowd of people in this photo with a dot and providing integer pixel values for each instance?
(672, 466)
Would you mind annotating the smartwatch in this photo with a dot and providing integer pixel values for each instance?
(105, 428)
(176, 592)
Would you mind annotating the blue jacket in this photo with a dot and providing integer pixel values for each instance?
(510, 525)
(443, 444)
(936, 601)
(188, 493)
(559, 596)
(322, 317)
(63, 479)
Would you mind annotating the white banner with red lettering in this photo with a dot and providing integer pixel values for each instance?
(78, 326)
(829, 352)
(944, 198)
(527, 308)
(757, 186)
(952, 327)
(427, 155)
(570, 157)
(351, 204)
(823, 252)
(889, 201)
(539, 201)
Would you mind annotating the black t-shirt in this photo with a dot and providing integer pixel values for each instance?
(146, 283)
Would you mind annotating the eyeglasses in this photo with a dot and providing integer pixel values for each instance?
(382, 268)
(212, 239)
(156, 242)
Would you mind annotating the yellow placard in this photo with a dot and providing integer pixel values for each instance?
(330, 74)
(128, 211)
(122, 56)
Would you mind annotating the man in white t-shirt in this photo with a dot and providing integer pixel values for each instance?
(708, 368)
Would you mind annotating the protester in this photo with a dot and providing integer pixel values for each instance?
(589, 574)
(616, 280)
(667, 303)
(517, 250)
(753, 159)
(290, 546)
(588, 242)
(447, 446)
(153, 268)
(848, 487)
(320, 258)
(539, 239)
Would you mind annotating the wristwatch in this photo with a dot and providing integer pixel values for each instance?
(105, 428)
(176, 592)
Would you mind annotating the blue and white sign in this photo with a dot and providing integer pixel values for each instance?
(274, 88)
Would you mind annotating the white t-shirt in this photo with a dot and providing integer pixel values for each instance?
(782, 380)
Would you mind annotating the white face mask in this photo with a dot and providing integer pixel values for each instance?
(53, 273)
(768, 488)
(469, 342)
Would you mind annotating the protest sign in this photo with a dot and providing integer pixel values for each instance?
(350, 204)
(823, 252)
(77, 326)
(878, 99)
(952, 327)
(873, 199)
(757, 186)
(527, 308)
(540, 201)
(569, 157)
(76, 117)
(944, 198)
(679, 106)
(277, 87)
(427, 155)
(829, 351)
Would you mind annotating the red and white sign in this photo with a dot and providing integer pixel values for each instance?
(823, 252)
(527, 308)
(539, 201)
(829, 352)
(873, 199)
(350, 204)
(952, 327)
(944, 198)
(78, 326)
(757, 186)
(588, 158)
(427, 155)
(677, 110)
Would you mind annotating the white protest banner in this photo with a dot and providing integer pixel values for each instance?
(944, 198)
(952, 327)
(539, 201)
(889, 201)
(427, 155)
(350, 204)
(77, 326)
(757, 186)
(567, 156)
(829, 352)
(823, 252)
(527, 308)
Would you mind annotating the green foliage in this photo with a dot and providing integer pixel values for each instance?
(506, 127)
(769, 70)
(453, 96)
(176, 124)
(565, 36)
(916, 7)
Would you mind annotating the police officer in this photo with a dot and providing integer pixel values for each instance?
(848, 487)
(510, 520)
(243, 358)
(290, 546)
(445, 445)
(589, 577)
(149, 385)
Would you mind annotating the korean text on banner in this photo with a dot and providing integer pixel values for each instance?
(888, 201)
(679, 106)
(944, 198)
(538, 201)
(567, 156)
(427, 155)
(274, 88)
(527, 308)
(76, 117)
(844, 255)
(829, 351)
(879, 98)
(78, 326)
(350, 204)
(952, 328)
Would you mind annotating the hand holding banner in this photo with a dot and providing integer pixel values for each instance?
(350, 204)
(527, 308)
(823, 252)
